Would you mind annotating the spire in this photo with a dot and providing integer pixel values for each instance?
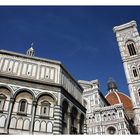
(30, 51)
(111, 84)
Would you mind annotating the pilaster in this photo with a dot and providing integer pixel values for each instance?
(57, 127)
(9, 115)
(33, 116)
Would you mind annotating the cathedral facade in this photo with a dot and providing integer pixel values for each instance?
(39, 96)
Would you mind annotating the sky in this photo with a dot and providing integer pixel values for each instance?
(81, 37)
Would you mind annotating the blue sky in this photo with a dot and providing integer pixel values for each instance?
(80, 37)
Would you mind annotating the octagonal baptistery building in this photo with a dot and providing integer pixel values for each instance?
(38, 96)
(116, 97)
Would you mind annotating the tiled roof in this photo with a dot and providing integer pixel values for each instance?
(115, 97)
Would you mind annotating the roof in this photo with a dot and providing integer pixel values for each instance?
(115, 97)
(125, 26)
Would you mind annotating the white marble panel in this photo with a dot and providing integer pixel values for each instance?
(19, 124)
(26, 124)
(13, 123)
(24, 68)
(5, 65)
(15, 67)
(36, 126)
(43, 126)
(2, 121)
(42, 72)
(49, 127)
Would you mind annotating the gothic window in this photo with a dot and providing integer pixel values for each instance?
(131, 48)
(134, 72)
(120, 114)
(22, 106)
(122, 125)
(45, 108)
(2, 101)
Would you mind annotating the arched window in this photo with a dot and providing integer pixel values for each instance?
(2, 101)
(134, 72)
(22, 106)
(45, 108)
(131, 48)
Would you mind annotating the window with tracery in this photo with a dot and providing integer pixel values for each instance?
(135, 74)
(131, 48)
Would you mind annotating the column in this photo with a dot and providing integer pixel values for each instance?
(33, 116)
(68, 123)
(57, 127)
(9, 115)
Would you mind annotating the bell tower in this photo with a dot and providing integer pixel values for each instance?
(129, 45)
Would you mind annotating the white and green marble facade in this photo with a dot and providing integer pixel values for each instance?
(34, 80)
